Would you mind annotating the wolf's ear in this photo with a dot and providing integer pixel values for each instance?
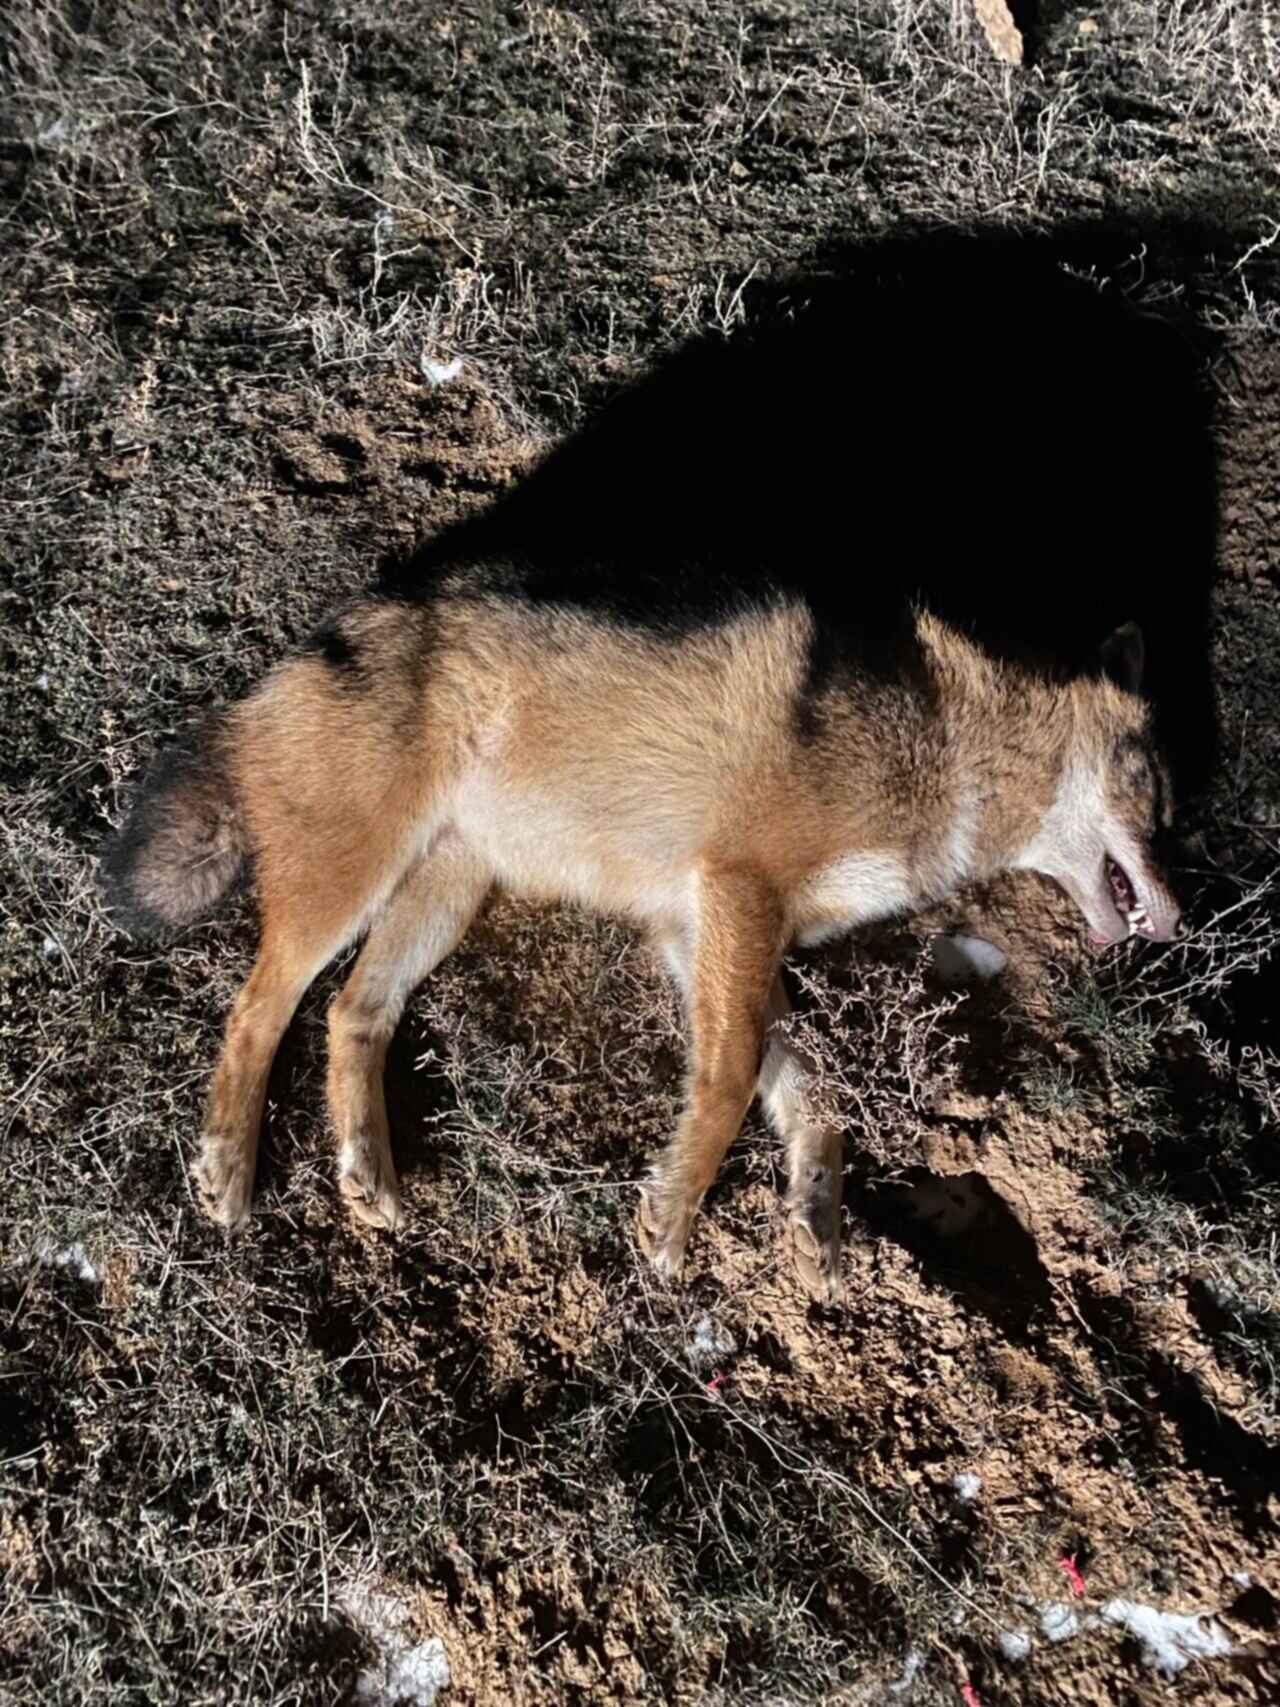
(1122, 656)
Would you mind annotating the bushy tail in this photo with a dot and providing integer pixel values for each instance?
(183, 843)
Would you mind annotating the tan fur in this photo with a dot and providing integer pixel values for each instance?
(480, 740)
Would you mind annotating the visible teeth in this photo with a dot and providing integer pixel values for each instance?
(1139, 920)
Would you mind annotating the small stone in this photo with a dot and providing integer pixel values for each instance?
(440, 373)
(1015, 1645)
(1058, 1623)
(962, 960)
(967, 1486)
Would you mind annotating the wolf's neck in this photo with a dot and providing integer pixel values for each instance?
(1007, 733)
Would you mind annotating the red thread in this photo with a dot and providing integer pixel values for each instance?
(969, 1695)
(1067, 1565)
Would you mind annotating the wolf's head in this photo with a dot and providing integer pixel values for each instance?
(1114, 795)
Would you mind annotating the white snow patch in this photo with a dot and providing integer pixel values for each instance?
(406, 1673)
(68, 1256)
(43, 682)
(1058, 1623)
(709, 1342)
(966, 959)
(440, 373)
(1168, 1639)
(1014, 1644)
(910, 1666)
(967, 1486)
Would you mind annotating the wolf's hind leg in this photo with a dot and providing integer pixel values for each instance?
(814, 1159)
(423, 921)
(737, 942)
(294, 949)
(334, 823)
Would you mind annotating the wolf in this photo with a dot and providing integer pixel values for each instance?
(722, 763)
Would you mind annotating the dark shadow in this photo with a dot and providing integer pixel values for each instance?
(967, 1239)
(1256, 1607)
(413, 1097)
(1036, 20)
(956, 419)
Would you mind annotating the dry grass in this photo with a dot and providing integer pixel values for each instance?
(228, 233)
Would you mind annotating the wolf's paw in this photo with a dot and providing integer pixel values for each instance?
(367, 1179)
(813, 1230)
(224, 1180)
(815, 1253)
(663, 1231)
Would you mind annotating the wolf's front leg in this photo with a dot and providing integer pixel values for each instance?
(736, 948)
(814, 1159)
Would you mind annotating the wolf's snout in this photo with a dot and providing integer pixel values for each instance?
(1173, 930)
(1163, 919)
(1140, 900)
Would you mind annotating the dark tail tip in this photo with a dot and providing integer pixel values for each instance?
(182, 844)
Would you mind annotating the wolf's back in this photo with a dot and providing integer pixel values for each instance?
(183, 843)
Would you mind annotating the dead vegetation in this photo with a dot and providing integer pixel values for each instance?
(241, 245)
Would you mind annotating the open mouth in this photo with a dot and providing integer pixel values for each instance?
(1125, 897)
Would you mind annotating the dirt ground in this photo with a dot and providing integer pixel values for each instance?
(244, 244)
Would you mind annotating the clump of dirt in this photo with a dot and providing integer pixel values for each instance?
(423, 452)
(1248, 410)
